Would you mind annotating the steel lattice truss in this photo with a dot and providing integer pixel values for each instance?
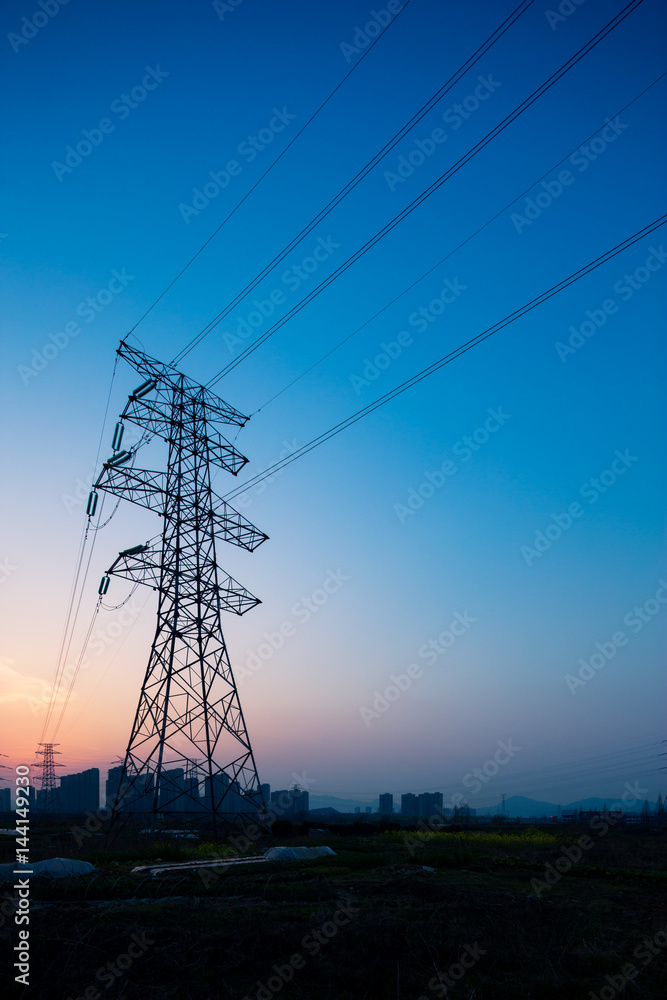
(189, 733)
(49, 787)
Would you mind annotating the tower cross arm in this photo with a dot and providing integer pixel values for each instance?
(143, 564)
(167, 375)
(155, 414)
(141, 486)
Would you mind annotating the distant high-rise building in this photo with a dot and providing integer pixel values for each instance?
(111, 785)
(266, 795)
(409, 805)
(300, 800)
(369, 809)
(79, 793)
(430, 804)
(192, 798)
(290, 803)
(5, 800)
(357, 810)
(386, 804)
(140, 799)
(227, 792)
(280, 802)
(172, 788)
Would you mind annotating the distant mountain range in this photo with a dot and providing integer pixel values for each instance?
(515, 806)
(519, 806)
(341, 805)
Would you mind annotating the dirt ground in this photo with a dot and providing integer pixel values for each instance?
(505, 915)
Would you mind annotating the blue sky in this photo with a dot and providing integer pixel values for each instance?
(119, 225)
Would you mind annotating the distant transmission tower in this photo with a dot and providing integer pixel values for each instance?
(189, 734)
(48, 765)
(503, 808)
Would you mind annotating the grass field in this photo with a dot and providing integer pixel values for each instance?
(511, 914)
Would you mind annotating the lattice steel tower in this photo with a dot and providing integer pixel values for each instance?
(189, 734)
(48, 766)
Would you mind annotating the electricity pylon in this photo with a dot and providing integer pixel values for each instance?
(48, 765)
(189, 733)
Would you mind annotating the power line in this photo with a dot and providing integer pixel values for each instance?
(577, 763)
(365, 170)
(110, 664)
(448, 358)
(100, 605)
(591, 768)
(267, 171)
(73, 614)
(75, 579)
(637, 767)
(70, 618)
(583, 51)
(65, 647)
(78, 666)
(452, 252)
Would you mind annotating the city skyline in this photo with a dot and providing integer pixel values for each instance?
(95, 792)
(478, 788)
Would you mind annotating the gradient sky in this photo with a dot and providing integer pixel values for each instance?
(341, 510)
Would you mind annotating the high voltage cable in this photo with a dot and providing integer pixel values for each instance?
(269, 169)
(69, 621)
(451, 252)
(65, 647)
(636, 767)
(594, 766)
(570, 771)
(432, 188)
(603, 758)
(511, 783)
(100, 605)
(75, 578)
(78, 667)
(106, 414)
(578, 762)
(365, 170)
(545, 775)
(608, 255)
(70, 625)
(60, 673)
(97, 527)
(110, 664)
(585, 49)
(446, 359)
(556, 780)
(116, 607)
(588, 47)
